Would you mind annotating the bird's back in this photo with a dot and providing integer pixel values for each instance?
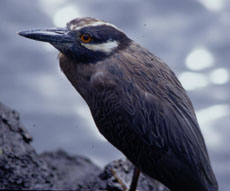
(141, 108)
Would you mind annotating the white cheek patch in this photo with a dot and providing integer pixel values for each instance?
(105, 47)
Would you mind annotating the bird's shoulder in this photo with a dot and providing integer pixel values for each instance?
(157, 107)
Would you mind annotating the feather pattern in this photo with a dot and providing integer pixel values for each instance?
(136, 101)
(141, 108)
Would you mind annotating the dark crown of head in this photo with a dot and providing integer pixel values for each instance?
(105, 40)
(100, 31)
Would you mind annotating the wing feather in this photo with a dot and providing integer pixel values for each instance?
(160, 112)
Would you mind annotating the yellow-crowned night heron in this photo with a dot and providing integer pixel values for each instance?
(136, 101)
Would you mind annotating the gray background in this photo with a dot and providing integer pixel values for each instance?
(191, 36)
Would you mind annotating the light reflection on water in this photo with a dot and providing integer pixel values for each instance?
(199, 59)
(213, 5)
(66, 14)
(208, 115)
(206, 118)
(193, 80)
(219, 76)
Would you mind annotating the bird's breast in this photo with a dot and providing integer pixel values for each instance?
(88, 79)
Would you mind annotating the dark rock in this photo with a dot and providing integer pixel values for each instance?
(70, 171)
(22, 168)
(117, 177)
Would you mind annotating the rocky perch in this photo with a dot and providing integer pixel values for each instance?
(21, 168)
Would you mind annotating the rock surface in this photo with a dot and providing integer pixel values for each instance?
(117, 176)
(22, 168)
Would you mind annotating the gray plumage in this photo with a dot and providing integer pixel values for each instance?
(138, 104)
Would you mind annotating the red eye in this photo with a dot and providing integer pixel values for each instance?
(85, 38)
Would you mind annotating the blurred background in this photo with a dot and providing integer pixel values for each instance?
(191, 36)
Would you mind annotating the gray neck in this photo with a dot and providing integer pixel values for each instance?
(84, 77)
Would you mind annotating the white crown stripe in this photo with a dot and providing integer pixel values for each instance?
(97, 23)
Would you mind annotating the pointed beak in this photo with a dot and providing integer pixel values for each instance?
(51, 35)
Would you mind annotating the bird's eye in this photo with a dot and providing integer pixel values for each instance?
(85, 38)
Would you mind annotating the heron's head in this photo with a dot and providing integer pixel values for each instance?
(87, 40)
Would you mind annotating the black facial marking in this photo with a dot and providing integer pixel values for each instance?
(84, 55)
(103, 33)
(99, 34)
